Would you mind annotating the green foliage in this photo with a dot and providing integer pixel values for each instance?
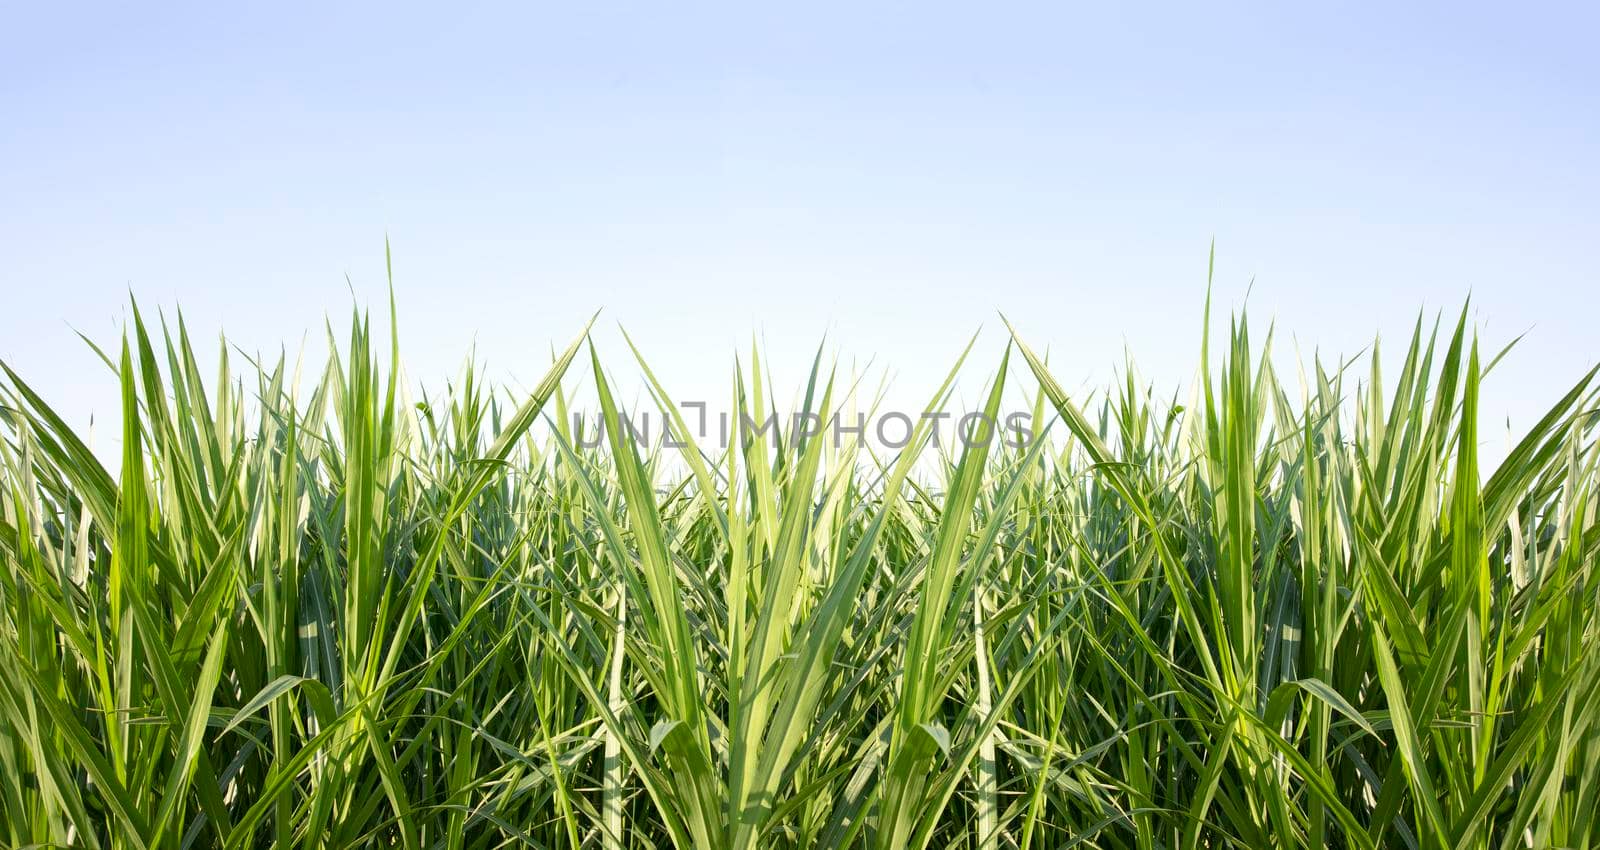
(309, 613)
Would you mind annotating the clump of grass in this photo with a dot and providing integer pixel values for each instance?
(1270, 618)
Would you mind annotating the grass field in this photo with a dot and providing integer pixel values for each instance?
(319, 612)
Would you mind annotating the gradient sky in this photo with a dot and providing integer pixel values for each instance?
(889, 175)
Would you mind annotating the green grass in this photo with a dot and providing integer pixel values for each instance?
(1290, 613)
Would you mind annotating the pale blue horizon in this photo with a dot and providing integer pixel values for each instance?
(892, 177)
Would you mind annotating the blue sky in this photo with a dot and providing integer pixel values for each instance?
(890, 175)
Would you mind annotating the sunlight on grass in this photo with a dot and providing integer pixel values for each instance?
(1290, 613)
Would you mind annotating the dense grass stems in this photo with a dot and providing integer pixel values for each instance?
(314, 611)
